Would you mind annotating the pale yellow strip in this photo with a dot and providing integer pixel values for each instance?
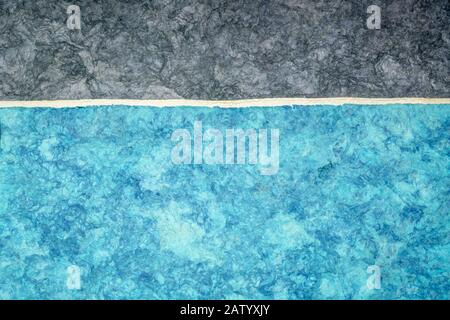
(269, 102)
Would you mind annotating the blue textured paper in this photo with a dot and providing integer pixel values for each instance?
(95, 188)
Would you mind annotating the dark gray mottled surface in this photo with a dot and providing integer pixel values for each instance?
(223, 49)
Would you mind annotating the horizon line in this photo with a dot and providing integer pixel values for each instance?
(238, 103)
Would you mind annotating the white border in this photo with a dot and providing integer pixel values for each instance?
(269, 102)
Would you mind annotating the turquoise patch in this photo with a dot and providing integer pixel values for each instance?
(93, 207)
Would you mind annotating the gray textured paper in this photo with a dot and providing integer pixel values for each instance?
(223, 49)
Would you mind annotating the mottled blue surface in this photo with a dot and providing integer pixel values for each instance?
(95, 187)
